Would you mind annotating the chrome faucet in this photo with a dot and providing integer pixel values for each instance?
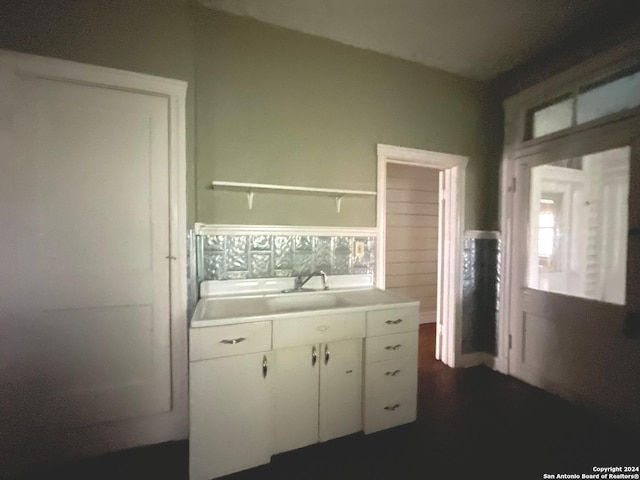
(300, 282)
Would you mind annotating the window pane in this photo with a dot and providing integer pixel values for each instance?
(552, 118)
(610, 98)
(545, 242)
(547, 219)
(578, 226)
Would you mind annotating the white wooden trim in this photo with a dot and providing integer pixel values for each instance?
(53, 68)
(178, 250)
(428, 317)
(97, 439)
(472, 359)
(220, 229)
(516, 107)
(452, 191)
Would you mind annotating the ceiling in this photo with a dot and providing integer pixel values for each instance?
(477, 39)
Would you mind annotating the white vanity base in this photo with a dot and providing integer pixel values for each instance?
(290, 370)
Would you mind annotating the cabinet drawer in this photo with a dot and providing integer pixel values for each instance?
(392, 376)
(394, 320)
(389, 411)
(317, 329)
(227, 340)
(389, 347)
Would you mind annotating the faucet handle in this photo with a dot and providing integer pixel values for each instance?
(325, 281)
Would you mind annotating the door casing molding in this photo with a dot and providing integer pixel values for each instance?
(450, 240)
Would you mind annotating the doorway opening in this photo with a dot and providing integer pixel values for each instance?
(412, 235)
(421, 238)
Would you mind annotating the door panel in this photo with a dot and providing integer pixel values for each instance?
(227, 435)
(568, 317)
(295, 397)
(84, 222)
(340, 389)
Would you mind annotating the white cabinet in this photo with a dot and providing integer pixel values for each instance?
(317, 393)
(229, 415)
(262, 388)
(391, 368)
(340, 389)
(295, 397)
(230, 384)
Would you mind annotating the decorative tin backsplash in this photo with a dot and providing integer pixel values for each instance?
(480, 293)
(225, 257)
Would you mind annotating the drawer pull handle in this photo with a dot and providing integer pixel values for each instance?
(265, 366)
(323, 328)
(314, 356)
(327, 353)
(392, 347)
(393, 322)
(233, 341)
(394, 373)
(392, 407)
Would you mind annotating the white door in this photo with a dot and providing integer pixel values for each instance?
(340, 389)
(85, 362)
(228, 435)
(571, 224)
(295, 397)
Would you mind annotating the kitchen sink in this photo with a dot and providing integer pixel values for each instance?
(299, 302)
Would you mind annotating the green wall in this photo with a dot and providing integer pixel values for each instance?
(277, 106)
(270, 105)
(147, 36)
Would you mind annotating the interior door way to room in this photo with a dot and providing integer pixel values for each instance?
(412, 235)
(413, 227)
(576, 271)
(91, 291)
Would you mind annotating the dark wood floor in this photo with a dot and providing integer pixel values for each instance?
(472, 424)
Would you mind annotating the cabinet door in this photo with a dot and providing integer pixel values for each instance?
(295, 397)
(229, 415)
(340, 389)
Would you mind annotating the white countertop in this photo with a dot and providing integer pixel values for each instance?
(226, 310)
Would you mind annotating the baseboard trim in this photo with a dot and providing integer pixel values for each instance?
(428, 317)
(476, 358)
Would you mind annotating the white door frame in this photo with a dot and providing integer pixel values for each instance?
(174, 424)
(450, 238)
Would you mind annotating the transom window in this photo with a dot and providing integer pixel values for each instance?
(588, 102)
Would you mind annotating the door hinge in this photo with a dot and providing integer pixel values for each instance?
(513, 185)
(510, 341)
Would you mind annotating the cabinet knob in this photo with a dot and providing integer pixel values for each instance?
(393, 322)
(327, 353)
(392, 347)
(392, 407)
(265, 366)
(314, 356)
